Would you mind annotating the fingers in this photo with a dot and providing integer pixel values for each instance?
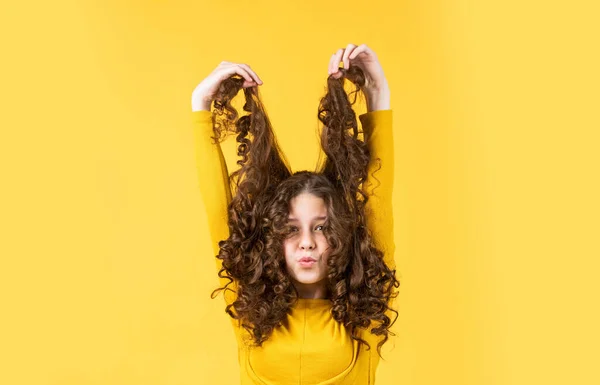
(330, 68)
(360, 49)
(241, 69)
(235, 69)
(334, 61)
(345, 57)
(254, 75)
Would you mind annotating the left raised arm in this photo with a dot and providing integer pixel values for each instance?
(377, 128)
(378, 134)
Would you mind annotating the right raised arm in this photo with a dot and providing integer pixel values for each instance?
(213, 178)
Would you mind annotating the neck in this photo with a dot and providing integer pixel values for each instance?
(311, 290)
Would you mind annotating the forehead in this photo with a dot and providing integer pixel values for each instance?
(307, 206)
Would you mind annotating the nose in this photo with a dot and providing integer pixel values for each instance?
(307, 242)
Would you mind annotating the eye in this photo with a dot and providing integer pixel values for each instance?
(321, 226)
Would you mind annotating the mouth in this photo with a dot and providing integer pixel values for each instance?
(307, 262)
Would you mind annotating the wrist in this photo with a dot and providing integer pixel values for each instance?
(378, 99)
(200, 104)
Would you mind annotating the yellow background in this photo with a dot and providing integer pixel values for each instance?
(106, 271)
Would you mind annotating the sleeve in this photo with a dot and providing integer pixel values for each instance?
(377, 128)
(213, 179)
(378, 134)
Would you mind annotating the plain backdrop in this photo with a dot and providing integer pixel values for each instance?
(106, 271)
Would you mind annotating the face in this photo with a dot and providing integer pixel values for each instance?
(307, 218)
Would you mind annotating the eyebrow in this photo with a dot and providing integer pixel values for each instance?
(314, 219)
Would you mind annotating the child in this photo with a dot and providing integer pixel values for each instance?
(309, 255)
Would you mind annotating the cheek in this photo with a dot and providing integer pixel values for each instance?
(324, 245)
(288, 249)
(290, 257)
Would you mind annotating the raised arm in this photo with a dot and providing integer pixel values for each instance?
(213, 179)
(213, 176)
(377, 128)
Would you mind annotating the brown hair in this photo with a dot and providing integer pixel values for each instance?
(359, 283)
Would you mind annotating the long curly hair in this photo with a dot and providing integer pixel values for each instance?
(360, 285)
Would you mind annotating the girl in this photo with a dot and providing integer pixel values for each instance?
(306, 259)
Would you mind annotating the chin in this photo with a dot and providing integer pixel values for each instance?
(308, 279)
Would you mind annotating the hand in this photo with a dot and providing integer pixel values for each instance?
(376, 87)
(204, 93)
(363, 57)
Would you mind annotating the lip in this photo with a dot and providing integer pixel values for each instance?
(308, 263)
(307, 259)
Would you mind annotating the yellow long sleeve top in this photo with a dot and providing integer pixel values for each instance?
(312, 348)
